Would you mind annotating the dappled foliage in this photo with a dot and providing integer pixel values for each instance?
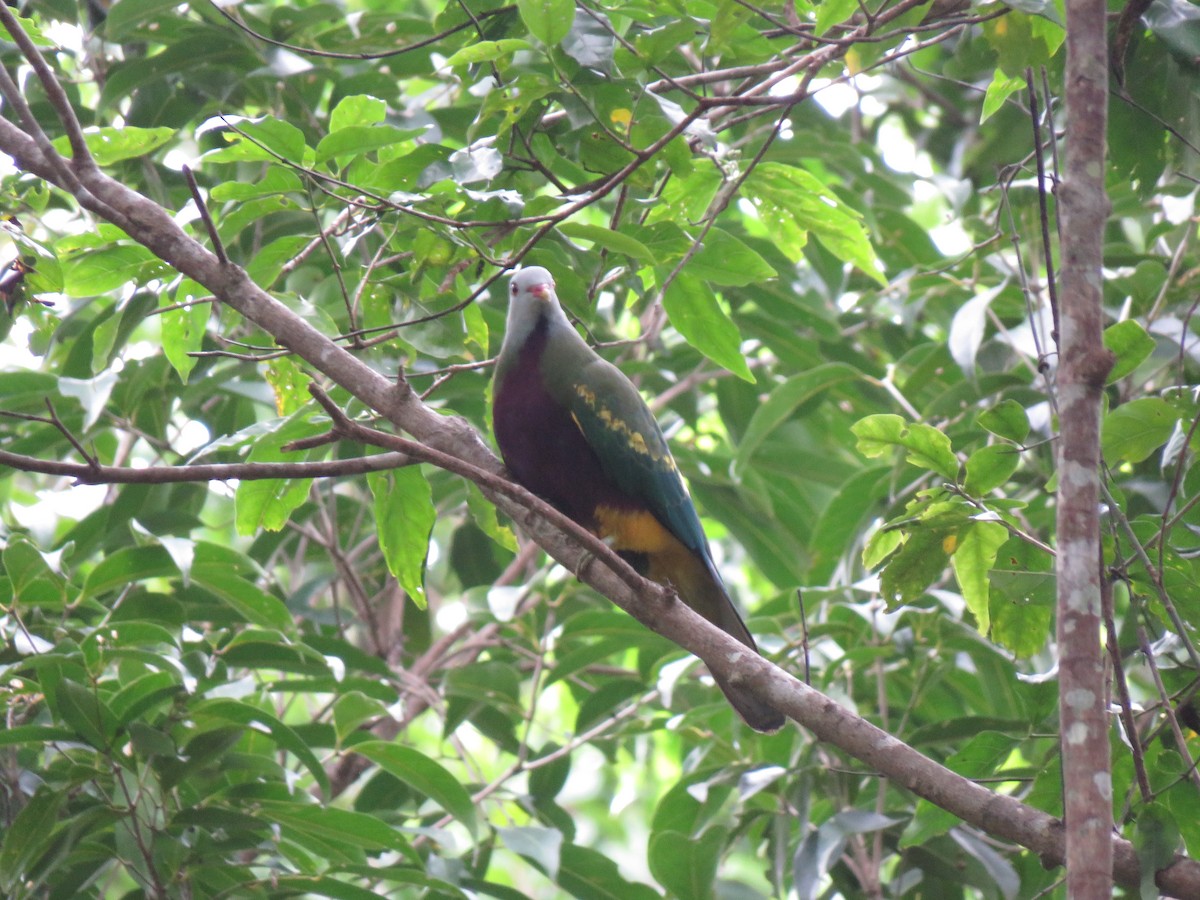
(817, 243)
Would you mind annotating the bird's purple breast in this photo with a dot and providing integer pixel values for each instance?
(542, 446)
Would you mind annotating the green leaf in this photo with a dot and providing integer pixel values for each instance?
(32, 28)
(101, 271)
(921, 561)
(128, 566)
(81, 709)
(1156, 840)
(725, 260)
(268, 264)
(603, 702)
(983, 754)
(355, 140)
(46, 276)
(123, 19)
(1007, 419)
(283, 735)
(541, 846)
(782, 403)
(183, 331)
(92, 393)
(270, 650)
(1174, 23)
(423, 775)
(968, 327)
(356, 110)
(487, 51)
(929, 821)
(1131, 345)
(843, 518)
(477, 327)
(248, 600)
(989, 467)
(268, 503)
(547, 20)
(696, 314)
(616, 241)
(141, 694)
(404, 517)
(34, 735)
(974, 556)
(1021, 42)
(834, 12)
(1136, 429)
(1021, 610)
(33, 581)
(276, 180)
(924, 445)
(112, 144)
(822, 848)
(330, 886)
(1047, 9)
(998, 91)
(113, 333)
(336, 825)
(289, 383)
(352, 709)
(793, 202)
(584, 872)
(484, 514)
(267, 139)
(687, 866)
(28, 836)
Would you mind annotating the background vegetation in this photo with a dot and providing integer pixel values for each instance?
(813, 233)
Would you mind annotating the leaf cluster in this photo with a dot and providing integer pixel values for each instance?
(816, 239)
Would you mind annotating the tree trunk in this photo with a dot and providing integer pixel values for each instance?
(1084, 363)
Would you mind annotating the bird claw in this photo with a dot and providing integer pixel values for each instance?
(588, 557)
(585, 560)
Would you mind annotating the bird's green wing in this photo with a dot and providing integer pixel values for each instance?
(622, 431)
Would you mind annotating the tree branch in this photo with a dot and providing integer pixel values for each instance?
(98, 474)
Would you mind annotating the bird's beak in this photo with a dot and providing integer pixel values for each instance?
(542, 291)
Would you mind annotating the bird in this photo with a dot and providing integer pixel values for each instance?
(575, 431)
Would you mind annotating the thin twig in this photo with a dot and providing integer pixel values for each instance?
(1125, 702)
(16, 98)
(82, 156)
(100, 474)
(382, 54)
(804, 635)
(66, 432)
(1181, 629)
(1181, 744)
(1043, 206)
(205, 216)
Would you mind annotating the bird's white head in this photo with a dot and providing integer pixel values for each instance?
(533, 304)
(531, 283)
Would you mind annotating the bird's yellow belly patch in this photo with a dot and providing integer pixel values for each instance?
(633, 530)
